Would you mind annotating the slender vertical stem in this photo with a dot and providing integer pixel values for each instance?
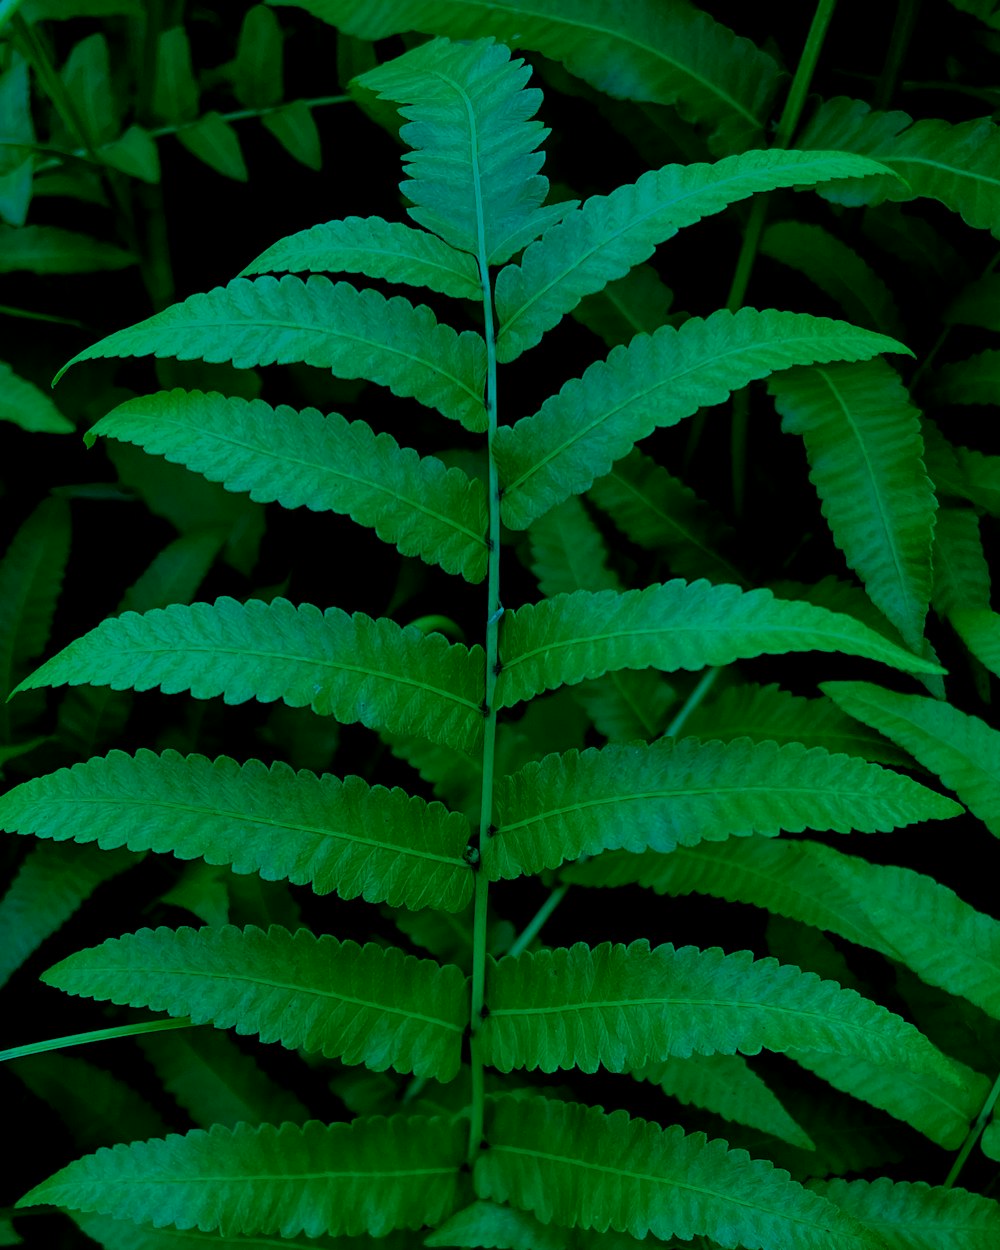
(494, 612)
(973, 1134)
(899, 42)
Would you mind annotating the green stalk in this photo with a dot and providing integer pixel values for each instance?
(899, 42)
(789, 120)
(494, 611)
(973, 1134)
(98, 1035)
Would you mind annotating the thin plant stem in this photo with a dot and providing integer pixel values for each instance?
(240, 115)
(973, 1134)
(98, 1035)
(899, 42)
(929, 357)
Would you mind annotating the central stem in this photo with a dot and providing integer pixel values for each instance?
(493, 615)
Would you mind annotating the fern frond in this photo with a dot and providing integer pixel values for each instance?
(619, 1006)
(729, 1087)
(770, 714)
(863, 441)
(657, 380)
(50, 249)
(972, 381)
(364, 1004)
(903, 914)
(578, 1166)
(356, 334)
(343, 836)
(372, 1175)
(659, 513)
(473, 170)
(491, 1225)
(674, 792)
(601, 241)
(24, 404)
(303, 459)
(676, 625)
(216, 1083)
(378, 248)
(350, 667)
(668, 54)
(954, 164)
(48, 887)
(979, 629)
(837, 270)
(939, 1108)
(961, 572)
(960, 748)
(114, 1234)
(912, 1215)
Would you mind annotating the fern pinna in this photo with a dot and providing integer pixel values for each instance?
(471, 1150)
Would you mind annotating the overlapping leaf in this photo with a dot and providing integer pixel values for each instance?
(50, 249)
(863, 441)
(963, 750)
(380, 249)
(972, 381)
(600, 241)
(363, 1004)
(577, 1166)
(373, 1175)
(657, 380)
(675, 625)
(350, 667)
(473, 169)
(24, 404)
(124, 1235)
(912, 1215)
(666, 53)
(356, 334)
(343, 836)
(303, 459)
(903, 914)
(673, 793)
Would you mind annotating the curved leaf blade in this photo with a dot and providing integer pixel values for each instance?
(336, 836)
(362, 1004)
(303, 459)
(473, 169)
(671, 793)
(370, 1176)
(617, 1006)
(24, 404)
(601, 240)
(381, 249)
(577, 1166)
(350, 667)
(912, 1215)
(862, 437)
(656, 381)
(355, 334)
(676, 625)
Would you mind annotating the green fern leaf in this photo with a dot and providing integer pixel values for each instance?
(356, 334)
(680, 792)
(677, 625)
(491, 1225)
(770, 714)
(954, 164)
(972, 381)
(365, 1004)
(911, 1215)
(303, 459)
(961, 572)
(863, 441)
(50, 885)
(295, 129)
(378, 248)
(372, 1175)
(622, 1006)
(216, 1083)
(124, 1235)
(50, 249)
(668, 54)
(214, 142)
(940, 1108)
(283, 825)
(608, 234)
(638, 303)
(24, 404)
(977, 304)
(575, 1165)
(979, 629)
(659, 513)
(990, 1140)
(349, 667)
(343, 836)
(473, 171)
(837, 270)
(657, 380)
(729, 1087)
(961, 749)
(903, 914)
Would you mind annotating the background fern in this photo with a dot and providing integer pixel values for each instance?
(514, 675)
